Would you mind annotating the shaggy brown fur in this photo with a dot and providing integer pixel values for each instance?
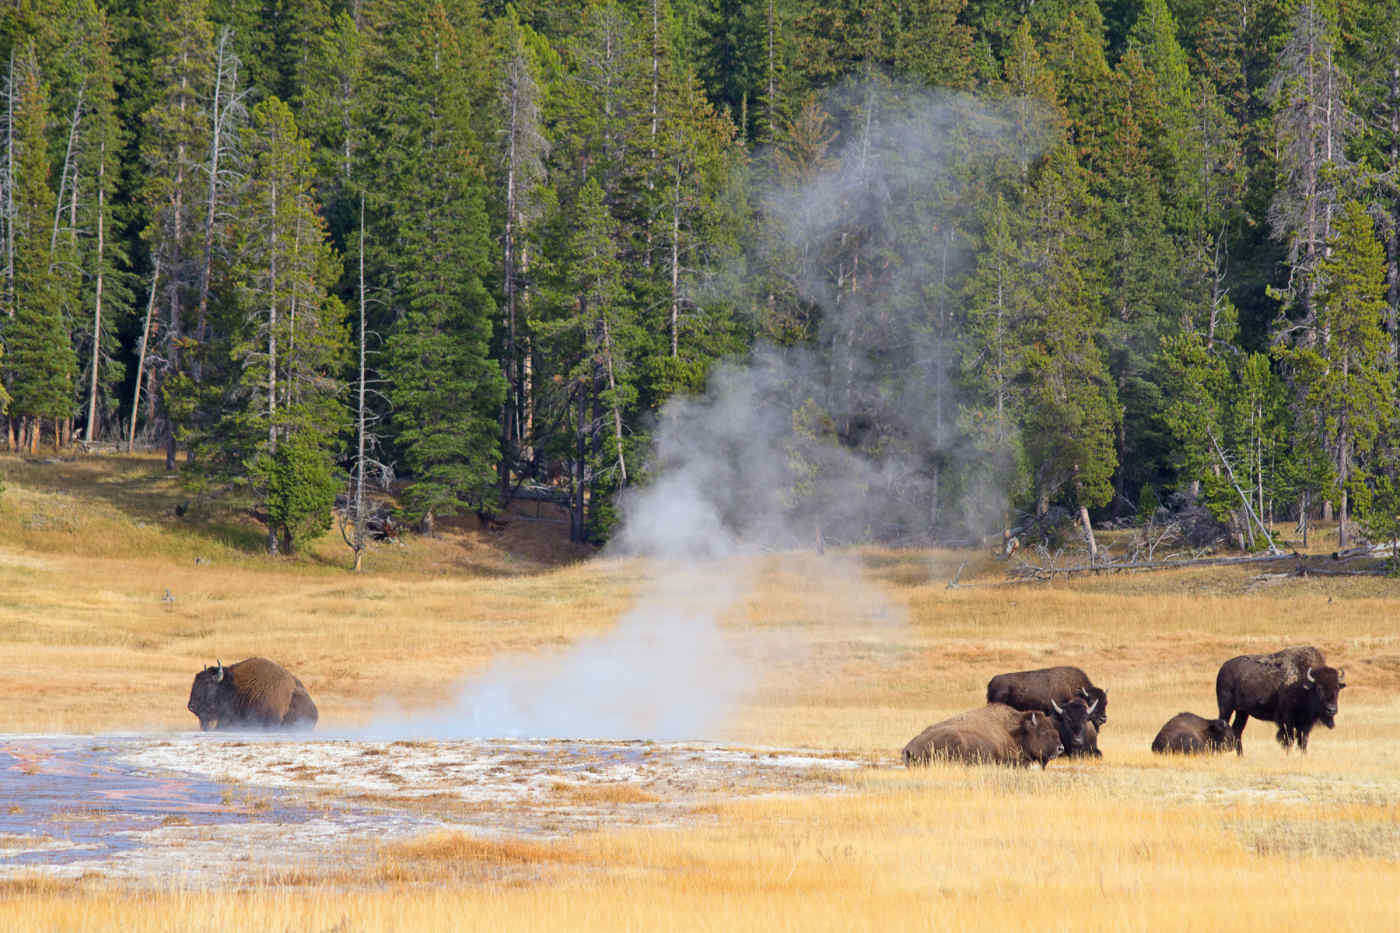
(252, 693)
(1251, 685)
(1189, 734)
(993, 733)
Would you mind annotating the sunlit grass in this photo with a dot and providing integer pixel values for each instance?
(854, 654)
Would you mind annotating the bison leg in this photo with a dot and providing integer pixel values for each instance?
(1285, 737)
(1303, 741)
(1241, 718)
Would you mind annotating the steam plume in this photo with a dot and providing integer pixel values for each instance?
(844, 441)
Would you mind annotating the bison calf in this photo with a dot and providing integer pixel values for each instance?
(995, 733)
(252, 694)
(1189, 734)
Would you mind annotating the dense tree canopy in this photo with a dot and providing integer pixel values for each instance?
(1075, 253)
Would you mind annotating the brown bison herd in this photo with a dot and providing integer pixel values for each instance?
(1030, 716)
(1034, 716)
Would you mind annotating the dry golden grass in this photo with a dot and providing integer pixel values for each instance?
(1133, 842)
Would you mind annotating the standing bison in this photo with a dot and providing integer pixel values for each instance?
(995, 733)
(1293, 688)
(1040, 688)
(252, 694)
(1189, 734)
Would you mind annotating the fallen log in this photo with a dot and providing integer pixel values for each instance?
(1306, 571)
(1049, 572)
(1365, 550)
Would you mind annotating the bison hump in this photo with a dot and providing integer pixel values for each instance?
(1291, 664)
(263, 687)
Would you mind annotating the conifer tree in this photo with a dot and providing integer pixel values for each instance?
(1313, 125)
(40, 364)
(106, 290)
(519, 148)
(993, 364)
(175, 140)
(590, 335)
(1071, 406)
(426, 183)
(282, 335)
(1346, 379)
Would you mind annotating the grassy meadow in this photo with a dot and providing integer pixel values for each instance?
(855, 652)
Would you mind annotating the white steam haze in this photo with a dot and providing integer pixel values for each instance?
(834, 441)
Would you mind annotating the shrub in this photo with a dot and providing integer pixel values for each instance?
(301, 488)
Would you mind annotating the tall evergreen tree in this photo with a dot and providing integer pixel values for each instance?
(285, 334)
(427, 185)
(1313, 124)
(174, 142)
(1347, 379)
(40, 365)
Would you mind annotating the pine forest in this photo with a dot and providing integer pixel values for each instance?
(1066, 261)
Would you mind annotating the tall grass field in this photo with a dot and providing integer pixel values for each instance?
(110, 602)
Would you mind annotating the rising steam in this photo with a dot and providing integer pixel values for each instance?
(838, 443)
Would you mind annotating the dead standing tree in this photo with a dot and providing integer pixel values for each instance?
(354, 520)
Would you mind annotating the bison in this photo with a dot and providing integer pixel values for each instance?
(1293, 688)
(252, 694)
(994, 733)
(1075, 723)
(1189, 734)
(1040, 688)
(1307, 702)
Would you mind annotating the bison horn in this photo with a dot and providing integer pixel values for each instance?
(1341, 677)
(1033, 717)
(220, 664)
(1056, 705)
(1091, 707)
(1084, 692)
(1310, 676)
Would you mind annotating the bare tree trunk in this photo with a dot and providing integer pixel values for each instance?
(526, 428)
(89, 430)
(141, 359)
(508, 405)
(64, 174)
(1089, 534)
(272, 354)
(225, 106)
(1392, 241)
(772, 75)
(1343, 476)
(10, 189)
(616, 409)
(359, 542)
(576, 510)
(676, 266)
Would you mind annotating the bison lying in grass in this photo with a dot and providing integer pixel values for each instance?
(252, 694)
(1040, 689)
(1189, 734)
(995, 733)
(1293, 688)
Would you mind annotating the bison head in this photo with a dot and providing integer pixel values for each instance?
(1039, 738)
(1097, 698)
(209, 696)
(1324, 684)
(1071, 721)
(1219, 736)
